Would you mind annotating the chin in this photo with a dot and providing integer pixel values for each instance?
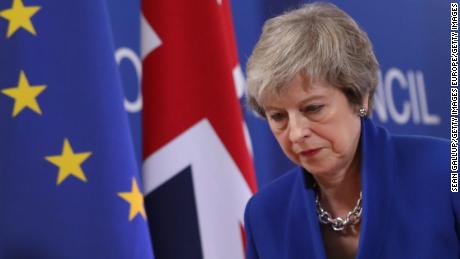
(317, 170)
(314, 167)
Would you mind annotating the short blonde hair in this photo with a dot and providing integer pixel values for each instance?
(319, 41)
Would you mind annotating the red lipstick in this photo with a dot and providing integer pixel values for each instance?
(310, 152)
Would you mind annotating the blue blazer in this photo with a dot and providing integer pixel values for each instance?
(408, 208)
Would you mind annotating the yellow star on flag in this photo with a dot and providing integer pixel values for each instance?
(69, 163)
(135, 199)
(19, 17)
(24, 95)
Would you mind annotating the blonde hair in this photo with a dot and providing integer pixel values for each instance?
(319, 41)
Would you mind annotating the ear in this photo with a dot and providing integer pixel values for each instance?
(366, 101)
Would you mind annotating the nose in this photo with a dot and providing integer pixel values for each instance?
(299, 128)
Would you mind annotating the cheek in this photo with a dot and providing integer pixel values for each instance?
(328, 136)
(340, 132)
(285, 144)
(282, 141)
(280, 136)
(343, 141)
(339, 147)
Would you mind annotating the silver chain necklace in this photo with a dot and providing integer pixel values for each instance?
(339, 224)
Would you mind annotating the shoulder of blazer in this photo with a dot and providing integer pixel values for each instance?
(275, 194)
(423, 151)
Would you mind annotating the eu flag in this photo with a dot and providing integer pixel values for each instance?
(69, 183)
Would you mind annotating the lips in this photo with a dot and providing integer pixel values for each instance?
(310, 152)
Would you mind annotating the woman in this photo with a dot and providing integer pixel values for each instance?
(358, 191)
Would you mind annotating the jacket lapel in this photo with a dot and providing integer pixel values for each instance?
(377, 170)
(303, 237)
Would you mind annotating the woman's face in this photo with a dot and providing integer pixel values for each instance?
(315, 126)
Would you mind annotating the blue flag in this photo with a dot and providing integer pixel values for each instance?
(69, 183)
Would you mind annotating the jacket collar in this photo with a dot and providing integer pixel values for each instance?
(377, 171)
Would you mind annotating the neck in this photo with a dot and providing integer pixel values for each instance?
(340, 192)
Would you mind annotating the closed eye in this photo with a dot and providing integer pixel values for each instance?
(314, 108)
(277, 116)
